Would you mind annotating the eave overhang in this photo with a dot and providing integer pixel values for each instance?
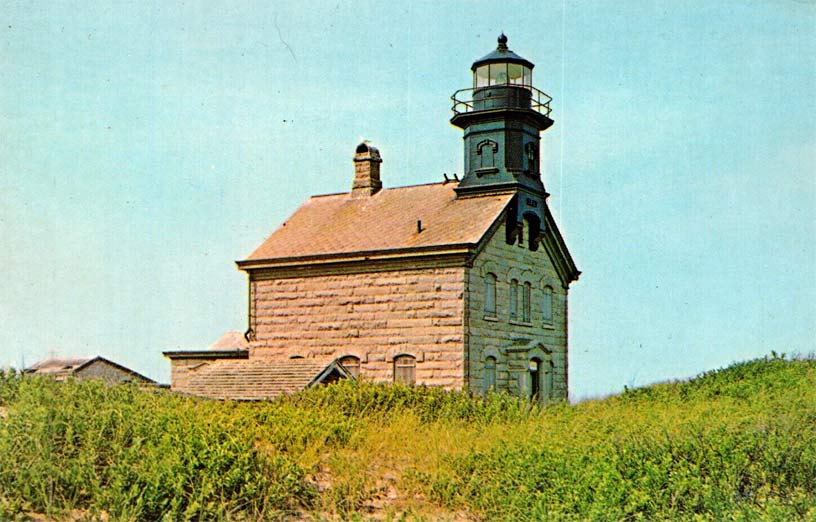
(206, 354)
(537, 119)
(558, 252)
(359, 257)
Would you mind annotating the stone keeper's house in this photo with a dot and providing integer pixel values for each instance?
(458, 284)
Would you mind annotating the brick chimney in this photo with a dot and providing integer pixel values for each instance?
(366, 171)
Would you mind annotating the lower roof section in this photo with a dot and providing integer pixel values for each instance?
(262, 378)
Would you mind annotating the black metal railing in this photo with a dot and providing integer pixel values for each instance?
(501, 97)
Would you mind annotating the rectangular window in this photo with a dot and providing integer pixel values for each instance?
(525, 302)
(481, 76)
(514, 299)
(547, 305)
(514, 74)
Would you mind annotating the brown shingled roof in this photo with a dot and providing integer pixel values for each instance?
(258, 379)
(340, 224)
(59, 367)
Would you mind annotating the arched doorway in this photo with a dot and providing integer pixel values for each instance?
(535, 368)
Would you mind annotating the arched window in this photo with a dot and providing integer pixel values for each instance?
(486, 150)
(490, 294)
(525, 302)
(547, 305)
(490, 374)
(352, 364)
(514, 296)
(405, 369)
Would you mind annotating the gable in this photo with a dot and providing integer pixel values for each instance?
(101, 368)
(556, 248)
(552, 246)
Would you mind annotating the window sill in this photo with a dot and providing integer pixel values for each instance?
(491, 318)
(520, 323)
(548, 326)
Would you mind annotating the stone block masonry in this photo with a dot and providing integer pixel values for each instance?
(372, 316)
(514, 342)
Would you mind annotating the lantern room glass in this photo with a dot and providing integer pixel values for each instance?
(502, 74)
(480, 76)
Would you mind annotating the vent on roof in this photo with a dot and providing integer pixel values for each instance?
(366, 171)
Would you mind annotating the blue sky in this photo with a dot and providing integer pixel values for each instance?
(147, 145)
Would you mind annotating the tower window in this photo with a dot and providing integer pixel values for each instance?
(405, 369)
(490, 374)
(490, 294)
(486, 150)
(547, 305)
(352, 364)
(514, 295)
(525, 302)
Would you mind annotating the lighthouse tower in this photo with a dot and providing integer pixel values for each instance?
(502, 115)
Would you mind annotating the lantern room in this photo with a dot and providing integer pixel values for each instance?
(502, 67)
(501, 80)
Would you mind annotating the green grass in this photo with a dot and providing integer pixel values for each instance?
(732, 444)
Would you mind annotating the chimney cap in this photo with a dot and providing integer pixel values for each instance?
(367, 148)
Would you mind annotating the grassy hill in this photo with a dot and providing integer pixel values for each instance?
(737, 443)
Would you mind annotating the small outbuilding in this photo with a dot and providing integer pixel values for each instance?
(87, 368)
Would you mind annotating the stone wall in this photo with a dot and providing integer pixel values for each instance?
(514, 343)
(373, 316)
(182, 369)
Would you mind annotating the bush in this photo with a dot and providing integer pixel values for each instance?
(737, 443)
(139, 456)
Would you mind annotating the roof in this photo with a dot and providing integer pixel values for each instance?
(231, 345)
(260, 379)
(231, 340)
(502, 54)
(61, 368)
(387, 221)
